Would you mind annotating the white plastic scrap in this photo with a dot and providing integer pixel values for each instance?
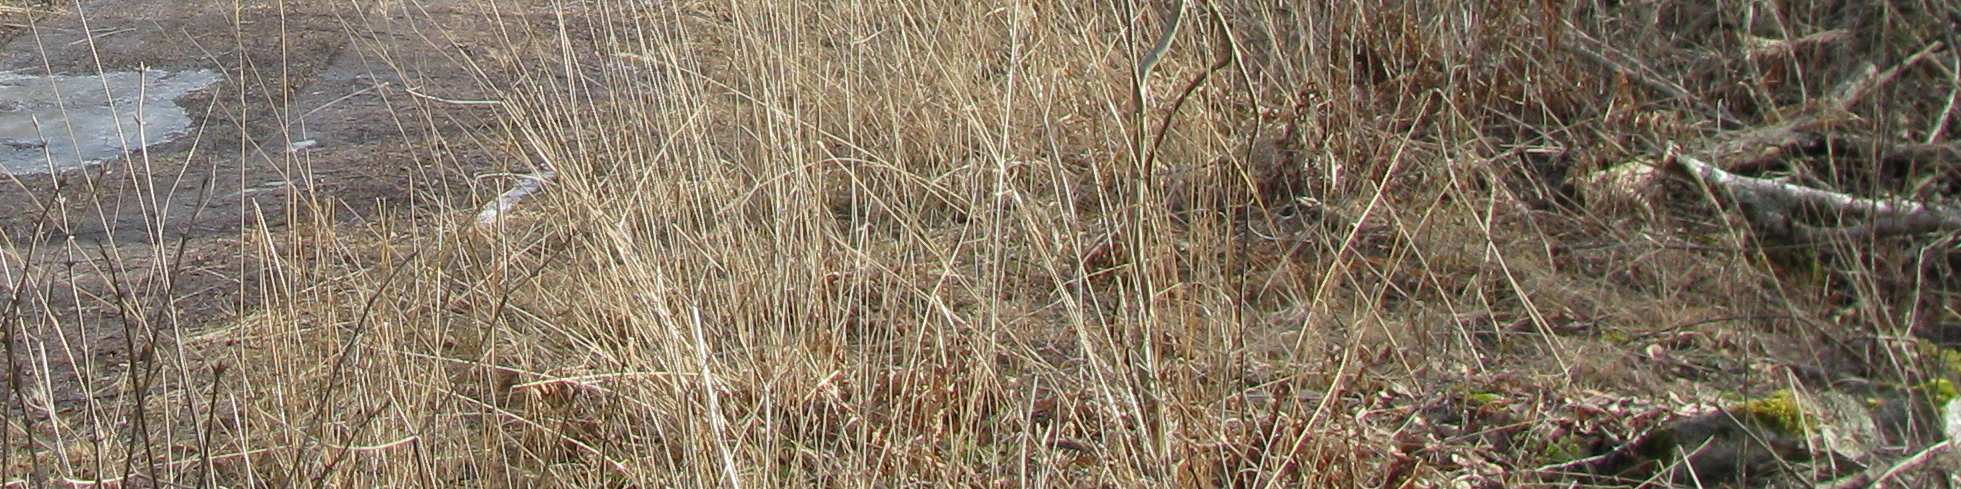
(526, 185)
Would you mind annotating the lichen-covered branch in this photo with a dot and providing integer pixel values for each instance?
(1771, 198)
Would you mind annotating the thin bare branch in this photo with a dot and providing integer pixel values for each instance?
(1633, 70)
(1859, 87)
(1762, 146)
(1765, 48)
(1874, 477)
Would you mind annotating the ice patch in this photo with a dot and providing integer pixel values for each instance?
(56, 123)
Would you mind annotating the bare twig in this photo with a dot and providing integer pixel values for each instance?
(1900, 153)
(1873, 477)
(1762, 146)
(1764, 48)
(1758, 147)
(1633, 70)
(1140, 92)
(451, 101)
(1947, 110)
(1924, 153)
(1164, 125)
(1859, 87)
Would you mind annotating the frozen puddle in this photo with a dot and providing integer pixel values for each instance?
(37, 135)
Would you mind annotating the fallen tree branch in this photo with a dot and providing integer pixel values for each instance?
(1759, 147)
(1921, 153)
(1714, 162)
(1858, 87)
(1900, 153)
(1769, 199)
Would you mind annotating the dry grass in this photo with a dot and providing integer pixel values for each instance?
(870, 244)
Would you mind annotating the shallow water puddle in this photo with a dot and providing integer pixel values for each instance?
(40, 132)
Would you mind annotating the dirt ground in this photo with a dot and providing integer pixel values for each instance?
(364, 108)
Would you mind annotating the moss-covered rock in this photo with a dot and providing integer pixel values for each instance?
(1781, 412)
(1937, 392)
(1752, 436)
(1564, 449)
(1946, 361)
(1481, 399)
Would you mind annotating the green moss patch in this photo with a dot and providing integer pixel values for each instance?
(1780, 412)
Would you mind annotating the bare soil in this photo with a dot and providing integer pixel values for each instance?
(316, 104)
